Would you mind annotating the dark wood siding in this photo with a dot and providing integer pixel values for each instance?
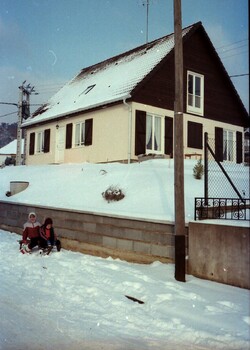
(220, 99)
(168, 137)
(221, 102)
(32, 144)
(158, 88)
(195, 132)
(69, 128)
(140, 132)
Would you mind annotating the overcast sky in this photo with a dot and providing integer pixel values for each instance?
(47, 42)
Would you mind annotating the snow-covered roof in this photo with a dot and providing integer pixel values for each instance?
(106, 82)
(11, 148)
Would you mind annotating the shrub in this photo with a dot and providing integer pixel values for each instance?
(113, 193)
(198, 170)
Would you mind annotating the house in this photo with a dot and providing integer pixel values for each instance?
(9, 152)
(123, 107)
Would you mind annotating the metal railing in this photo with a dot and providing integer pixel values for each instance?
(222, 208)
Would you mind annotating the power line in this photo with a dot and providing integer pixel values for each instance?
(5, 115)
(235, 42)
(238, 75)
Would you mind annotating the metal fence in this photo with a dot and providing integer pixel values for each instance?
(225, 179)
(226, 184)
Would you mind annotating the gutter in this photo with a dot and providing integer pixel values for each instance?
(129, 128)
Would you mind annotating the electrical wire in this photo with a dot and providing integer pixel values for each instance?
(5, 115)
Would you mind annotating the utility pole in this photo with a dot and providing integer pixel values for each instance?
(19, 130)
(180, 253)
(23, 113)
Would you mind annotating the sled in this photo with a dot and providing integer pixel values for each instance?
(42, 250)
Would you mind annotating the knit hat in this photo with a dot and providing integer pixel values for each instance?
(48, 221)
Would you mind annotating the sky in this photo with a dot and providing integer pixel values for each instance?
(47, 42)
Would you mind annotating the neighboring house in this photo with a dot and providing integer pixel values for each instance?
(9, 151)
(123, 107)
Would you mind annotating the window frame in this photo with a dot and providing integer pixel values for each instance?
(229, 139)
(192, 108)
(40, 142)
(85, 132)
(161, 136)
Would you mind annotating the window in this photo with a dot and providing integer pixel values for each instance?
(79, 134)
(228, 142)
(40, 142)
(153, 134)
(195, 93)
(88, 89)
(83, 133)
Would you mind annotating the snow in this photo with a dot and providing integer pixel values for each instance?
(11, 148)
(148, 187)
(74, 301)
(70, 300)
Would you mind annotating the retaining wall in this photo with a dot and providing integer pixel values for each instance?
(129, 239)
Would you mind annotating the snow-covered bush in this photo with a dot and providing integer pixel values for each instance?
(113, 193)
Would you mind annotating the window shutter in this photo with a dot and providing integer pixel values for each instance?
(46, 140)
(195, 131)
(219, 144)
(69, 135)
(238, 147)
(140, 132)
(168, 136)
(32, 144)
(88, 132)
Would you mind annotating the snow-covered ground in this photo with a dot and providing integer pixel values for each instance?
(148, 187)
(74, 301)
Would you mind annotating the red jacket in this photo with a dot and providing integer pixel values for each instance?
(31, 230)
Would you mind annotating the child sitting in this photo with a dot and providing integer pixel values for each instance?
(31, 234)
(48, 236)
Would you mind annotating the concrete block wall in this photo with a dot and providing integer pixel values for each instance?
(132, 240)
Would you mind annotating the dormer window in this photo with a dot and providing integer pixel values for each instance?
(195, 93)
(88, 89)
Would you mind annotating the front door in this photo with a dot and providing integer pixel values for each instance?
(60, 144)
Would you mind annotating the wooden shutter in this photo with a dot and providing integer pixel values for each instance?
(46, 140)
(168, 136)
(219, 144)
(239, 147)
(69, 128)
(32, 144)
(195, 131)
(88, 132)
(140, 132)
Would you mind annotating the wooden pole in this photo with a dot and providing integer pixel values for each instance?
(180, 261)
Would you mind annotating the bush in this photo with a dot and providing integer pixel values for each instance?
(113, 193)
(198, 170)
